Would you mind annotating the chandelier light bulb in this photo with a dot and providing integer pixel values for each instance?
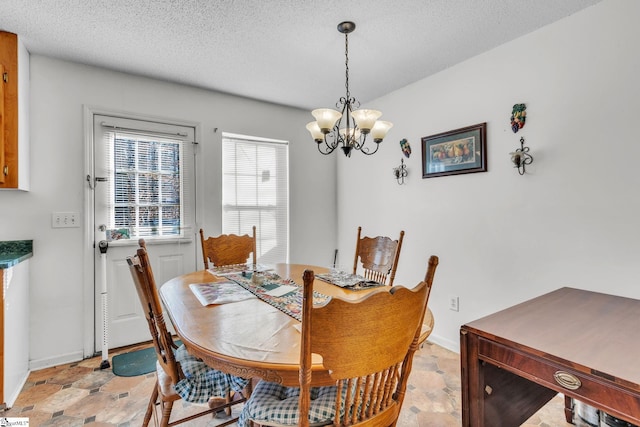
(350, 134)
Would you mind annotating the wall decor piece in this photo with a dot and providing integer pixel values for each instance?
(117, 234)
(455, 152)
(405, 147)
(400, 172)
(521, 157)
(518, 117)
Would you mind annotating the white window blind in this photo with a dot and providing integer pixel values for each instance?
(255, 191)
(148, 172)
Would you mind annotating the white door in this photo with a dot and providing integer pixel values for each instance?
(143, 188)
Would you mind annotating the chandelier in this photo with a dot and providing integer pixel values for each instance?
(348, 126)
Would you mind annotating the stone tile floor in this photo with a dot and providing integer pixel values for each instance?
(81, 393)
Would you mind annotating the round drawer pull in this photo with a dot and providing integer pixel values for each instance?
(567, 380)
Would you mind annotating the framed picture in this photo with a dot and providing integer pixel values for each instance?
(455, 152)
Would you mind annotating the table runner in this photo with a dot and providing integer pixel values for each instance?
(289, 303)
(225, 270)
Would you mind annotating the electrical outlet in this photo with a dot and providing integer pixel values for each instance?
(65, 219)
(453, 302)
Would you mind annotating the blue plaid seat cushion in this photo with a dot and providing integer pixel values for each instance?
(201, 381)
(275, 405)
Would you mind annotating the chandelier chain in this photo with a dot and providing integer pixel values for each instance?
(346, 64)
(349, 103)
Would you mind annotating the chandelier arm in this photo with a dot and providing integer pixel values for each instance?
(330, 145)
(329, 149)
(368, 152)
(338, 140)
(358, 143)
(326, 153)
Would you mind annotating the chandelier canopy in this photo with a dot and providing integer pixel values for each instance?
(348, 126)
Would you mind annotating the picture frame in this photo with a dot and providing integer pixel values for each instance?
(455, 152)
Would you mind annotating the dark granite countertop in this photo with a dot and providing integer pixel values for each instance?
(13, 252)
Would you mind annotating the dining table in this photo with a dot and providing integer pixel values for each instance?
(253, 338)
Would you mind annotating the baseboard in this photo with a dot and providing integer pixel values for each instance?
(446, 343)
(37, 364)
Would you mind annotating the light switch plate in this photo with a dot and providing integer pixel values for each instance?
(454, 302)
(65, 219)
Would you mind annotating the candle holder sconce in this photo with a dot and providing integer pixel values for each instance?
(521, 157)
(400, 172)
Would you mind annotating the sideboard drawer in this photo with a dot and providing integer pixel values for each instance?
(588, 388)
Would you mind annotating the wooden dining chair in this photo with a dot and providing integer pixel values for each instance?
(369, 356)
(228, 249)
(378, 256)
(179, 375)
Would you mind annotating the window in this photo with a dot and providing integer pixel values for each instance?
(146, 175)
(255, 191)
(148, 185)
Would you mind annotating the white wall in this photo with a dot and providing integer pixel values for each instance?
(502, 238)
(59, 90)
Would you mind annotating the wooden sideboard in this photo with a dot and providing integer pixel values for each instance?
(583, 344)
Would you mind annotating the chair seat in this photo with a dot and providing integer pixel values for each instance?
(201, 381)
(271, 404)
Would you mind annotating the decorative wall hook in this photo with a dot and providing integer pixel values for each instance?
(400, 172)
(521, 157)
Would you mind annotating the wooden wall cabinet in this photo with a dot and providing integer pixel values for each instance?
(14, 113)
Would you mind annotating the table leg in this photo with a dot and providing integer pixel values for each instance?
(568, 409)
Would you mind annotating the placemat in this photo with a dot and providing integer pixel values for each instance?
(353, 282)
(289, 303)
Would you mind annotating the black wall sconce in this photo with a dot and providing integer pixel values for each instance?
(400, 172)
(521, 157)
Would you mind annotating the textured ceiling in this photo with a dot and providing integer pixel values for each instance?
(283, 51)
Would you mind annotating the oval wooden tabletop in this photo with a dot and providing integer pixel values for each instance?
(250, 338)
